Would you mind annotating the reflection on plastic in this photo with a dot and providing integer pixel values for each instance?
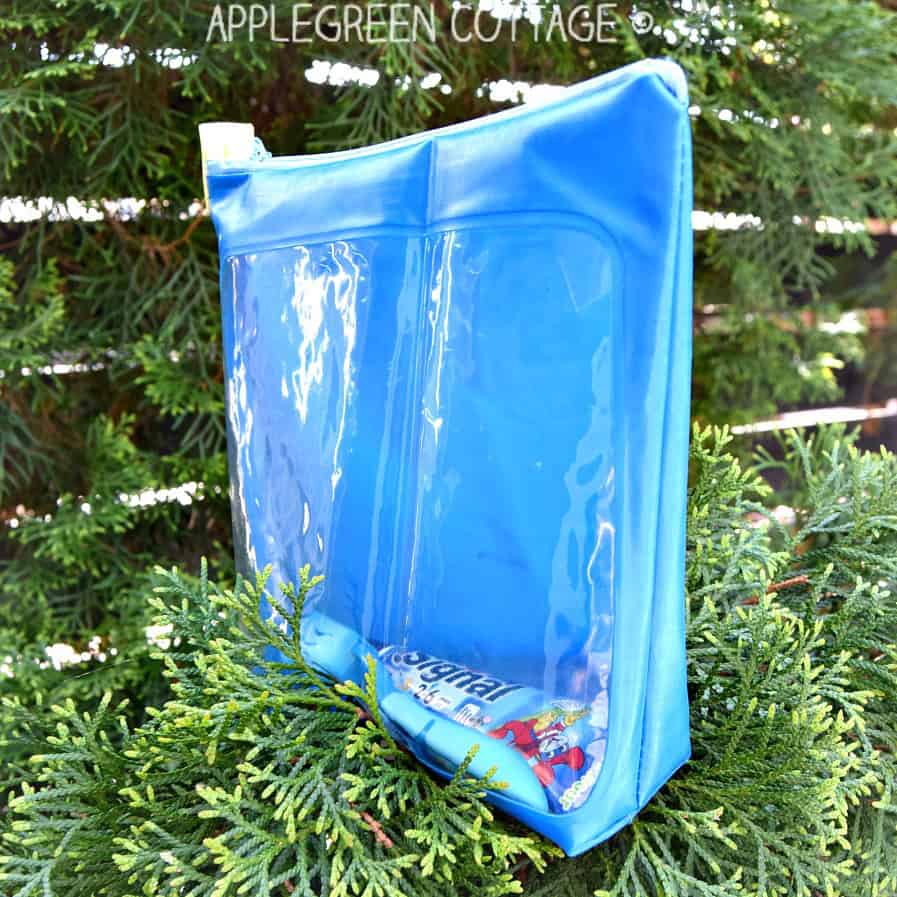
(465, 401)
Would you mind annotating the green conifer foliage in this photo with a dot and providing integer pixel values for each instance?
(264, 778)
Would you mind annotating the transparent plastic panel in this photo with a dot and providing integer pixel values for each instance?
(426, 420)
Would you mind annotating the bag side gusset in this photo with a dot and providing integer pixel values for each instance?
(666, 741)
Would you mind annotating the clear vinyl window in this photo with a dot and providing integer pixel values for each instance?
(426, 419)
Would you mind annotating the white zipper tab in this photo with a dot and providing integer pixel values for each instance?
(228, 141)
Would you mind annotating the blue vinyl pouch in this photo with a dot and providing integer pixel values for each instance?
(458, 386)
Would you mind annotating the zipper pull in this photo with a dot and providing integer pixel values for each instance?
(259, 153)
(228, 141)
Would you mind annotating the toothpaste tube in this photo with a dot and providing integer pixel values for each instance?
(561, 741)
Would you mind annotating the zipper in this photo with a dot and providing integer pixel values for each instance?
(665, 69)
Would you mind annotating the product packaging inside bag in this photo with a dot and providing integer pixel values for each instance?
(458, 386)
